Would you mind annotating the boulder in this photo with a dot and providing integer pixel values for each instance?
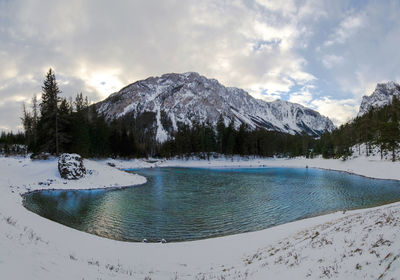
(71, 166)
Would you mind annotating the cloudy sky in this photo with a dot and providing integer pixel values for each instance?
(323, 54)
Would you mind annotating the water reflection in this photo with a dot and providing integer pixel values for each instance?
(185, 204)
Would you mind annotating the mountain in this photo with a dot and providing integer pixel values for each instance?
(382, 95)
(174, 99)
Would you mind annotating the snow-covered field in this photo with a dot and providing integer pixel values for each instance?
(353, 245)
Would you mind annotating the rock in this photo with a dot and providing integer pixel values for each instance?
(71, 166)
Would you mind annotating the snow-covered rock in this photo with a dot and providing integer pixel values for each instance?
(382, 95)
(71, 166)
(163, 103)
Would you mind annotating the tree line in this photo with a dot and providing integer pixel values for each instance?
(56, 125)
(379, 127)
(12, 143)
(203, 139)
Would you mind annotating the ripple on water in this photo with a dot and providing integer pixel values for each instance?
(180, 204)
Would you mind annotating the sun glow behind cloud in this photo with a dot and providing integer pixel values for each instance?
(105, 82)
(322, 54)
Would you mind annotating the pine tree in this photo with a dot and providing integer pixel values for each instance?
(99, 135)
(64, 126)
(27, 121)
(209, 139)
(220, 134)
(49, 119)
(390, 136)
(35, 120)
(79, 102)
(229, 139)
(80, 127)
(241, 143)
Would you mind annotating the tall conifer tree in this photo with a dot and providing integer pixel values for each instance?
(49, 119)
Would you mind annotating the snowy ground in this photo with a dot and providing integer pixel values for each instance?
(353, 245)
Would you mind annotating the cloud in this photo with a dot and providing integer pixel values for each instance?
(369, 55)
(263, 46)
(98, 47)
(285, 7)
(330, 61)
(303, 97)
(339, 111)
(8, 109)
(347, 27)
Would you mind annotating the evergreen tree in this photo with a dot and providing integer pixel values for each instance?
(35, 120)
(48, 126)
(209, 139)
(27, 123)
(64, 126)
(99, 135)
(229, 139)
(220, 134)
(79, 103)
(80, 129)
(241, 140)
(390, 136)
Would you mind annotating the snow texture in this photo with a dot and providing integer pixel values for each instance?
(382, 96)
(356, 244)
(177, 99)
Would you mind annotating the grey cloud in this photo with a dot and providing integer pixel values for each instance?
(9, 116)
(141, 38)
(250, 44)
(369, 54)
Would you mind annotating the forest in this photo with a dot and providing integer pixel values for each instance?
(378, 127)
(57, 125)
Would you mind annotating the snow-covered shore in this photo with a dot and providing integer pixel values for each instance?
(353, 245)
(364, 166)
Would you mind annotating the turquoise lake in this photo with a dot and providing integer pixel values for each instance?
(180, 204)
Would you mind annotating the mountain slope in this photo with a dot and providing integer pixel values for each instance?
(382, 95)
(175, 99)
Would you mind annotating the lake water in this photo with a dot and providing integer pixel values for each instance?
(180, 204)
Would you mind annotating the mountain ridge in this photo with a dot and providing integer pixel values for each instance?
(174, 99)
(381, 96)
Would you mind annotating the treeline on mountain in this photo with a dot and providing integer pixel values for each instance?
(202, 139)
(379, 127)
(57, 125)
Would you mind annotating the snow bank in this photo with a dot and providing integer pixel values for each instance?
(349, 245)
(371, 167)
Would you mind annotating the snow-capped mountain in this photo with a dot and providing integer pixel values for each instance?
(382, 95)
(174, 99)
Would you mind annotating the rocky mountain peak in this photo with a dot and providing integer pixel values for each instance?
(382, 95)
(172, 100)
